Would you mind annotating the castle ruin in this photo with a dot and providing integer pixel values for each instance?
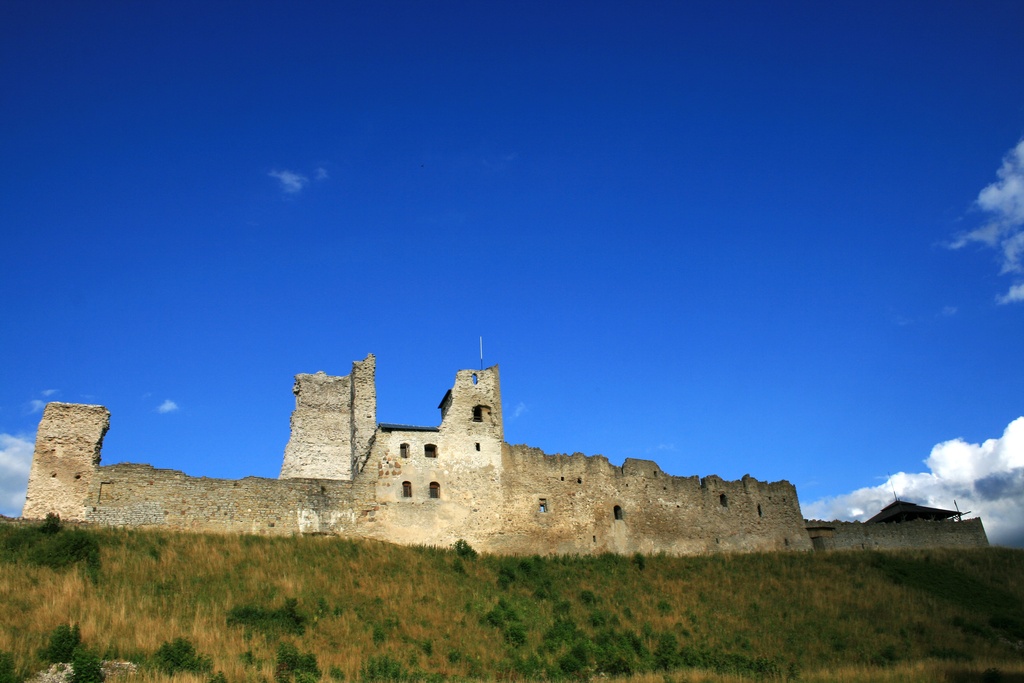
(348, 475)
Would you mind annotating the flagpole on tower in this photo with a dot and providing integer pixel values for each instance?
(481, 353)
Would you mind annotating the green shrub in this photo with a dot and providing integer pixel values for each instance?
(218, 677)
(7, 672)
(515, 635)
(382, 668)
(295, 665)
(464, 550)
(63, 641)
(285, 619)
(181, 656)
(86, 667)
(51, 524)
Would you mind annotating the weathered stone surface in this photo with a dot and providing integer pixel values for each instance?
(344, 474)
(920, 533)
(66, 457)
(333, 423)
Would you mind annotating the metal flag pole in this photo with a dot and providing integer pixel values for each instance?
(481, 353)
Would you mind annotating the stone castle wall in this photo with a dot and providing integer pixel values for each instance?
(921, 533)
(344, 474)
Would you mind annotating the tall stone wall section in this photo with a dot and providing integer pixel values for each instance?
(333, 423)
(466, 467)
(68, 444)
(921, 533)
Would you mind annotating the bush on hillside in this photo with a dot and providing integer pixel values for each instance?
(294, 665)
(86, 666)
(62, 644)
(181, 656)
(464, 549)
(7, 672)
(285, 619)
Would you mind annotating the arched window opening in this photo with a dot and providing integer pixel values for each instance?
(723, 500)
(430, 450)
(759, 513)
(475, 378)
(406, 489)
(478, 413)
(403, 450)
(543, 505)
(478, 445)
(435, 490)
(617, 511)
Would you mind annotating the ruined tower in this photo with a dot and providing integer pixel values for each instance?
(66, 458)
(332, 424)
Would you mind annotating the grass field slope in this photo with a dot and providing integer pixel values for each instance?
(220, 608)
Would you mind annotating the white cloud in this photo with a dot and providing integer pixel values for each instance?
(36, 406)
(1016, 293)
(50, 392)
(519, 409)
(15, 461)
(167, 406)
(985, 478)
(320, 173)
(291, 182)
(1003, 201)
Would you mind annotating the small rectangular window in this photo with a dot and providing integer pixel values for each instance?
(543, 505)
(430, 450)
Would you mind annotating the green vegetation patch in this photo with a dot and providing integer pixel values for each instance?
(50, 544)
(180, 656)
(270, 622)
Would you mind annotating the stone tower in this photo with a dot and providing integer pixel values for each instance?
(333, 423)
(66, 458)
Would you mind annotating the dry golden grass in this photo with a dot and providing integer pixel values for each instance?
(848, 616)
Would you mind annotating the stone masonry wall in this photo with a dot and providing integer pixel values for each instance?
(466, 468)
(657, 512)
(141, 495)
(68, 444)
(343, 474)
(921, 533)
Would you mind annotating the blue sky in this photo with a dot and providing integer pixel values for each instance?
(782, 239)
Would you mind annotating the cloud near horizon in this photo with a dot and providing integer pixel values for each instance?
(985, 478)
(1003, 201)
(15, 462)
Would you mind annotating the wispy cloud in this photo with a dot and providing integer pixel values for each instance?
(985, 478)
(36, 406)
(50, 392)
(167, 406)
(520, 409)
(15, 461)
(320, 173)
(291, 182)
(1003, 202)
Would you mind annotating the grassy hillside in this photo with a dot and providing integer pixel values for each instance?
(255, 608)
